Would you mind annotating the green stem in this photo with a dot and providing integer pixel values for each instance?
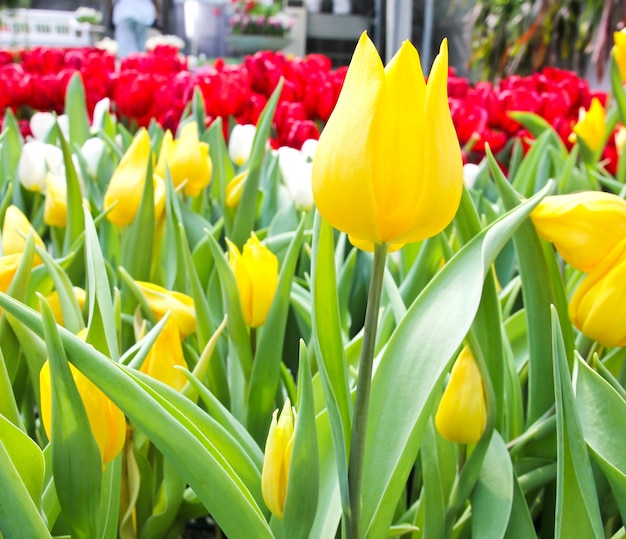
(364, 383)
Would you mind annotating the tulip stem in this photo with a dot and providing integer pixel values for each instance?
(364, 382)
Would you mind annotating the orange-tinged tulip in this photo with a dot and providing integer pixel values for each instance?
(127, 183)
(598, 306)
(256, 273)
(591, 126)
(619, 52)
(165, 354)
(55, 303)
(278, 447)
(8, 268)
(15, 231)
(162, 301)
(107, 421)
(388, 166)
(462, 413)
(584, 227)
(188, 160)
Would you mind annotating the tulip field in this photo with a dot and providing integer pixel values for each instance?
(275, 299)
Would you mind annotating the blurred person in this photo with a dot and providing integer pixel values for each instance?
(131, 20)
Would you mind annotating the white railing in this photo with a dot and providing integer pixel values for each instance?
(36, 27)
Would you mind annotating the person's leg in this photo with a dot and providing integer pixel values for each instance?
(141, 34)
(125, 37)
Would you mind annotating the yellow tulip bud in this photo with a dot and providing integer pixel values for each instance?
(15, 231)
(256, 273)
(127, 183)
(166, 352)
(55, 206)
(55, 303)
(234, 189)
(619, 51)
(584, 227)
(277, 460)
(8, 269)
(107, 421)
(161, 301)
(187, 158)
(462, 413)
(388, 166)
(591, 126)
(598, 306)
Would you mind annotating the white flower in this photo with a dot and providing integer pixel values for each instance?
(36, 160)
(296, 167)
(470, 173)
(308, 148)
(41, 123)
(92, 151)
(107, 44)
(63, 121)
(240, 143)
(169, 40)
(102, 107)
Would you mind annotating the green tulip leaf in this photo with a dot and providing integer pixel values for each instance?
(10, 151)
(76, 110)
(602, 412)
(412, 367)
(492, 498)
(577, 513)
(520, 522)
(8, 406)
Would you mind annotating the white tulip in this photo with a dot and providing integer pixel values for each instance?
(41, 123)
(296, 168)
(103, 106)
(36, 160)
(92, 151)
(470, 173)
(240, 143)
(64, 125)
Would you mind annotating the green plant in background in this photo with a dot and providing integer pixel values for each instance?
(522, 36)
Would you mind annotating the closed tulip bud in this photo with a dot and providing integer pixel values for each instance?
(240, 143)
(619, 52)
(8, 269)
(41, 123)
(15, 231)
(55, 303)
(584, 227)
(188, 160)
(165, 354)
(388, 166)
(295, 168)
(598, 306)
(107, 421)
(92, 151)
(591, 126)
(36, 160)
(162, 301)
(55, 206)
(127, 183)
(277, 460)
(234, 189)
(462, 413)
(256, 273)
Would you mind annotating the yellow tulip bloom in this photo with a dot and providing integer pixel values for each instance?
(162, 301)
(188, 160)
(165, 354)
(462, 413)
(55, 303)
(591, 126)
(388, 166)
(55, 205)
(107, 421)
(275, 473)
(8, 268)
(619, 52)
(584, 227)
(126, 186)
(15, 231)
(598, 306)
(234, 189)
(256, 273)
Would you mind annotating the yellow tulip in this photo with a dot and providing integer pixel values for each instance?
(8, 268)
(55, 206)
(107, 421)
(277, 460)
(234, 189)
(591, 126)
(584, 227)
(598, 306)
(619, 52)
(256, 273)
(162, 301)
(166, 352)
(462, 413)
(126, 186)
(15, 231)
(55, 303)
(388, 166)
(188, 160)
